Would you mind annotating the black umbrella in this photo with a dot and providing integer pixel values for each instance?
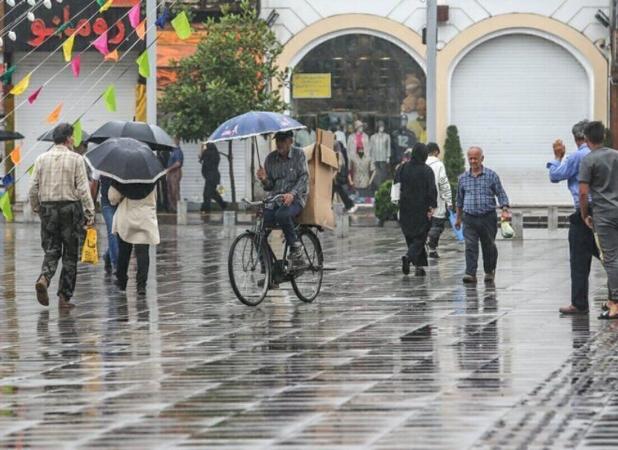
(48, 136)
(154, 136)
(125, 160)
(10, 135)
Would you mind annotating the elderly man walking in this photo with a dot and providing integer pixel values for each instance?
(581, 240)
(598, 177)
(476, 207)
(60, 194)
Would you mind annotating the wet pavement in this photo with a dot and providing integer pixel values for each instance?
(378, 361)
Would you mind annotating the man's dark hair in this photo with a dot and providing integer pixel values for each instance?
(283, 135)
(595, 132)
(433, 148)
(62, 133)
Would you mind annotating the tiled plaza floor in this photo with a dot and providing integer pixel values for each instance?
(378, 361)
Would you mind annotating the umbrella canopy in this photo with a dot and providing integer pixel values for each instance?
(48, 136)
(152, 135)
(125, 160)
(10, 135)
(254, 123)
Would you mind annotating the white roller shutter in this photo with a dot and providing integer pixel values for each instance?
(77, 95)
(513, 96)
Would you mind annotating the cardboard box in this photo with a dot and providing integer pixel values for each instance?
(323, 165)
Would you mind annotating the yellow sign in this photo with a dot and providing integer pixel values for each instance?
(311, 85)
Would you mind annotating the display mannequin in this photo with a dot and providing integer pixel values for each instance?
(419, 125)
(362, 169)
(358, 141)
(380, 144)
(402, 139)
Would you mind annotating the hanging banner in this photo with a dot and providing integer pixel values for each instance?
(60, 22)
(311, 85)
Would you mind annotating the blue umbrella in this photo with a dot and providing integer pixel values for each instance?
(254, 123)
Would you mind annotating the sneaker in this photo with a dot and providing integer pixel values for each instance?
(490, 277)
(353, 209)
(434, 254)
(469, 278)
(41, 291)
(405, 265)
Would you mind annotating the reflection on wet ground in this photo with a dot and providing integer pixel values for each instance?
(378, 361)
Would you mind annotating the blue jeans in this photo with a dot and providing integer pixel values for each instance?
(283, 216)
(112, 242)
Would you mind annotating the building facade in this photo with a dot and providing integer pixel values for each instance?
(512, 76)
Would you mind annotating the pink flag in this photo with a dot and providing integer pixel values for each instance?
(134, 15)
(101, 43)
(34, 95)
(76, 65)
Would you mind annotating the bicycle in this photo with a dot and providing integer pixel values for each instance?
(253, 267)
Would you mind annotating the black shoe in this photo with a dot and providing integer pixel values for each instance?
(122, 287)
(419, 272)
(434, 254)
(108, 264)
(469, 279)
(405, 265)
(141, 290)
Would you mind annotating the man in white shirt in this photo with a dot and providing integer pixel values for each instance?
(445, 198)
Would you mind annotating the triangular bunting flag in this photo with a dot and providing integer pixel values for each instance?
(6, 76)
(76, 64)
(143, 64)
(111, 56)
(101, 2)
(34, 95)
(54, 116)
(20, 87)
(181, 25)
(16, 155)
(5, 206)
(134, 15)
(163, 18)
(109, 96)
(67, 47)
(63, 27)
(106, 6)
(141, 30)
(77, 133)
(100, 44)
(30, 170)
(7, 180)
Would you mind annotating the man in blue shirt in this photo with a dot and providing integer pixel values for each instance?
(477, 191)
(581, 240)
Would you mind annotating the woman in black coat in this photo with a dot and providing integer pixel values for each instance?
(417, 200)
(210, 171)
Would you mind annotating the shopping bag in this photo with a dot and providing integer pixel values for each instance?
(506, 229)
(89, 250)
(452, 217)
(395, 192)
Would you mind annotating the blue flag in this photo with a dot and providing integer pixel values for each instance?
(163, 18)
(7, 180)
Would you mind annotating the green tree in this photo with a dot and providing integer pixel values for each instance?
(454, 161)
(231, 72)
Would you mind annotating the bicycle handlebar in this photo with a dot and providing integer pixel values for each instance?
(262, 202)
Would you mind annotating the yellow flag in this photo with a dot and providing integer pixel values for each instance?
(21, 87)
(55, 114)
(5, 206)
(106, 6)
(181, 25)
(143, 64)
(16, 155)
(67, 47)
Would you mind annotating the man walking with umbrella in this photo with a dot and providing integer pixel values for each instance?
(60, 194)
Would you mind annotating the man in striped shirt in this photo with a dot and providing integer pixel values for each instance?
(285, 172)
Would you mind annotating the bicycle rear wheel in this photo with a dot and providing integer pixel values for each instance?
(308, 281)
(249, 269)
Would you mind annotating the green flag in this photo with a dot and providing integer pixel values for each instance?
(6, 76)
(143, 64)
(5, 206)
(181, 25)
(30, 170)
(109, 96)
(77, 133)
(101, 2)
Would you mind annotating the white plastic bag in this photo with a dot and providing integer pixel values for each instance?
(395, 192)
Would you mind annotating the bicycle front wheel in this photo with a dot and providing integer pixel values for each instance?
(249, 269)
(307, 282)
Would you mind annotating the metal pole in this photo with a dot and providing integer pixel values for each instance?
(151, 44)
(432, 53)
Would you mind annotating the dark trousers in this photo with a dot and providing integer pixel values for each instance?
(339, 189)
(211, 193)
(61, 228)
(606, 228)
(437, 227)
(581, 249)
(124, 256)
(283, 216)
(484, 229)
(416, 250)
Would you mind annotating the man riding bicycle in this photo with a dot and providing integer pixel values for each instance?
(285, 172)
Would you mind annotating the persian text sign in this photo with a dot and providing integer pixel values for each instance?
(311, 85)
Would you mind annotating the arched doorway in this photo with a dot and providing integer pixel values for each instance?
(513, 95)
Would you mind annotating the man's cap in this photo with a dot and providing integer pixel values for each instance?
(280, 135)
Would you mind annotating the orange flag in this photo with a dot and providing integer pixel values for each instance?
(141, 30)
(55, 115)
(16, 155)
(111, 56)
